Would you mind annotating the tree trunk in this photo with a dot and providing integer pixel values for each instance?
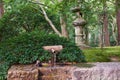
(63, 26)
(101, 33)
(114, 29)
(1, 8)
(86, 33)
(106, 32)
(114, 35)
(1, 13)
(100, 40)
(118, 19)
(63, 22)
(105, 26)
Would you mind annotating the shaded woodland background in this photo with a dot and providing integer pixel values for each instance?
(102, 18)
(27, 25)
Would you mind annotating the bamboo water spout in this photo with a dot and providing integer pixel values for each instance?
(53, 50)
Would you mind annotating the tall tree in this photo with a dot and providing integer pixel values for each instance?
(118, 19)
(63, 18)
(105, 24)
(1, 8)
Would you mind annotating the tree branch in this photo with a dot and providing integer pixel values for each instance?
(49, 21)
(39, 3)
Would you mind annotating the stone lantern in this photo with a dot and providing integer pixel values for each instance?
(79, 23)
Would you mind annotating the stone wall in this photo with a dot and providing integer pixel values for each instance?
(30, 72)
(101, 71)
(22, 72)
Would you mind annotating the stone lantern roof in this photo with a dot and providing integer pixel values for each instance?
(79, 22)
(75, 9)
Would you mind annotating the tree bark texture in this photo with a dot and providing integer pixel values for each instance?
(63, 26)
(114, 34)
(105, 26)
(101, 33)
(118, 19)
(86, 35)
(1, 9)
(63, 22)
(1, 13)
(106, 32)
(100, 40)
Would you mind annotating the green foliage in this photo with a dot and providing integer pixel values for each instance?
(27, 48)
(3, 70)
(101, 55)
(61, 9)
(25, 18)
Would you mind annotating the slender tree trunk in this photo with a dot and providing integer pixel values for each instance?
(63, 22)
(118, 19)
(105, 26)
(86, 33)
(1, 8)
(63, 26)
(1, 13)
(96, 39)
(114, 29)
(100, 40)
(101, 33)
(114, 33)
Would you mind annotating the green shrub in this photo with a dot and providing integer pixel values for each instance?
(3, 70)
(27, 48)
(25, 18)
